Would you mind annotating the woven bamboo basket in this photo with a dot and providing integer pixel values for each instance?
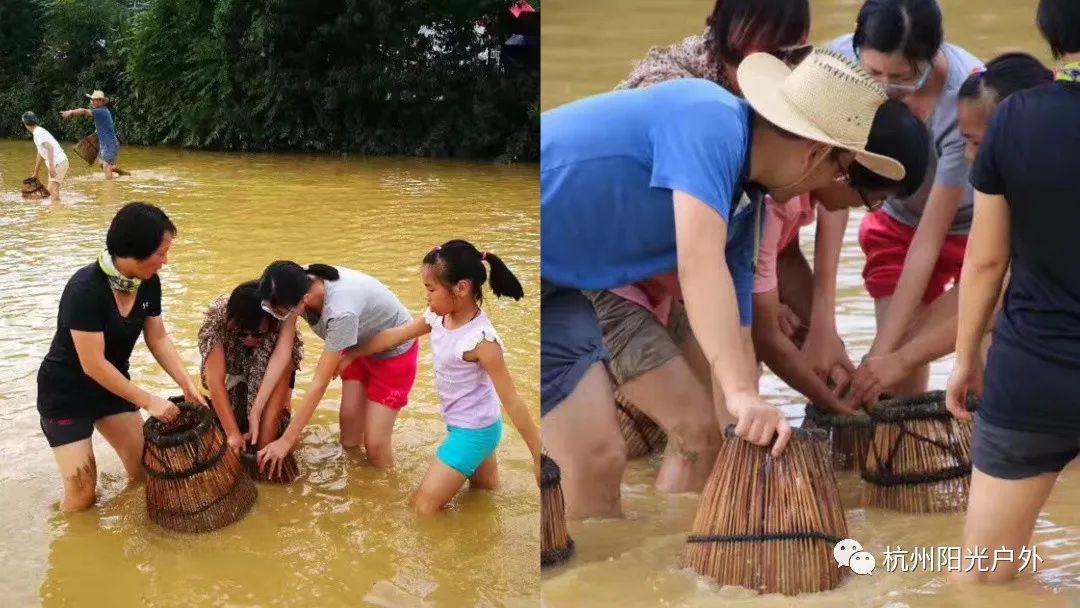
(194, 482)
(643, 436)
(849, 435)
(87, 148)
(290, 468)
(770, 524)
(556, 546)
(32, 188)
(919, 460)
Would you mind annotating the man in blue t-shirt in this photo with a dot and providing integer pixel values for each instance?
(108, 144)
(639, 183)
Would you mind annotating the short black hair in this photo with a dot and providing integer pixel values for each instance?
(1005, 75)
(30, 119)
(1059, 24)
(244, 309)
(738, 27)
(137, 231)
(898, 134)
(913, 28)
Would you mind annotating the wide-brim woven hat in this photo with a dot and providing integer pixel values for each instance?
(826, 98)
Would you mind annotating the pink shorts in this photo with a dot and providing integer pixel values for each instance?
(885, 242)
(388, 381)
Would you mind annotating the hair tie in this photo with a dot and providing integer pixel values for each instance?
(483, 256)
(978, 71)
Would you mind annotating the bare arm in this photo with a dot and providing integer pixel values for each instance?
(324, 371)
(37, 164)
(219, 394)
(785, 359)
(66, 114)
(279, 361)
(985, 264)
(161, 346)
(709, 292)
(490, 356)
(390, 338)
(919, 265)
(90, 347)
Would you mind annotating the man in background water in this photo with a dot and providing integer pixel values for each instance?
(109, 145)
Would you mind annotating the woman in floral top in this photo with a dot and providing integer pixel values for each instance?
(236, 342)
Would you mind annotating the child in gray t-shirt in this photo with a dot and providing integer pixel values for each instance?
(345, 308)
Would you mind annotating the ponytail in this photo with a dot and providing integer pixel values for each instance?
(324, 271)
(459, 260)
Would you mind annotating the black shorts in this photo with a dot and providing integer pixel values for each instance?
(1009, 454)
(62, 431)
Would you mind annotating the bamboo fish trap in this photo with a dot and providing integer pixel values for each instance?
(290, 468)
(770, 524)
(849, 435)
(32, 188)
(919, 459)
(194, 482)
(643, 436)
(87, 148)
(556, 546)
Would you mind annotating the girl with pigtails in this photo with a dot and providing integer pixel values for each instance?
(471, 376)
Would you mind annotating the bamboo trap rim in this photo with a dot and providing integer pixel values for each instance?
(194, 421)
(821, 435)
(550, 474)
(929, 405)
(555, 557)
(859, 419)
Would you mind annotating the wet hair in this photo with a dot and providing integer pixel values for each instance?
(244, 309)
(1059, 24)
(898, 134)
(459, 260)
(284, 283)
(1005, 75)
(30, 119)
(912, 28)
(137, 231)
(740, 27)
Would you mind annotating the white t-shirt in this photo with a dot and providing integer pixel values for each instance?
(41, 137)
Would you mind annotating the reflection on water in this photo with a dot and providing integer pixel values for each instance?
(588, 47)
(344, 534)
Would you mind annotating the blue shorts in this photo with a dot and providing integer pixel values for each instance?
(1012, 454)
(108, 153)
(465, 449)
(570, 342)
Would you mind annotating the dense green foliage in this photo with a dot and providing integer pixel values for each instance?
(358, 76)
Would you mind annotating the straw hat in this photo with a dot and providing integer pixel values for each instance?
(826, 98)
(97, 95)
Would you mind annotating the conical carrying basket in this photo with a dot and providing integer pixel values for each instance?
(33, 188)
(556, 546)
(770, 524)
(919, 459)
(194, 482)
(849, 435)
(643, 436)
(87, 148)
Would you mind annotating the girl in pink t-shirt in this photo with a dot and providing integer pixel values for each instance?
(470, 374)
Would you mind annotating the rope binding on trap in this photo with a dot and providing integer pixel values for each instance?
(755, 538)
(930, 406)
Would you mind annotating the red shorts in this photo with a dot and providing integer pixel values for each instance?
(388, 381)
(885, 242)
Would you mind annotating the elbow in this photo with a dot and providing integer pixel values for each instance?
(988, 266)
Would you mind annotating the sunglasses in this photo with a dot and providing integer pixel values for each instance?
(792, 55)
(270, 310)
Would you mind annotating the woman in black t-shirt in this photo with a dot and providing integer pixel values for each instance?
(1027, 427)
(84, 383)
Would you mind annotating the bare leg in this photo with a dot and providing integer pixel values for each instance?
(108, 170)
(79, 472)
(582, 436)
(124, 433)
(440, 485)
(673, 397)
(919, 379)
(486, 476)
(54, 191)
(352, 414)
(1002, 513)
(378, 439)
